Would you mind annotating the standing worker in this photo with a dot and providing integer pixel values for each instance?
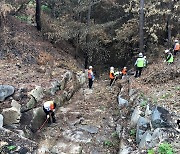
(90, 77)
(139, 65)
(49, 109)
(176, 47)
(111, 75)
(169, 57)
(124, 71)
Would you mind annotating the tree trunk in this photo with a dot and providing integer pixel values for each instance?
(87, 36)
(141, 25)
(38, 14)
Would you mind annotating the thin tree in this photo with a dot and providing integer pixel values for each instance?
(38, 14)
(141, 25)
(87, 36)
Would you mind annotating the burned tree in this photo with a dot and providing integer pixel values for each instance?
(38, 14)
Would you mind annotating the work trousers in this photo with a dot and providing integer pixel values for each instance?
(90, 83)
(138, 71)
(111, 81)
(51, 115)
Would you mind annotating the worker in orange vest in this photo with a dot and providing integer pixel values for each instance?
(111, 75)
(124, 71)
(176, 47)
(90, 77)
(49, 109)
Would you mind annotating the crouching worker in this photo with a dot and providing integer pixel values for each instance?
(49, 109)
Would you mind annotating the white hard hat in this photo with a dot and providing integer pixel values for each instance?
(90, 67)
(145, 57)
(111, 68)
(140, 54)
(176, 41)
(166, 51)
(125, 67)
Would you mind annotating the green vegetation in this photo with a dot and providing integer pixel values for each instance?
(23, 18)
(11, 147)
(166, 95)
(132, 132)
(115, 135)
(151, 151)
(143, 103)
(45, 8)
(108, 143)
(165, 148)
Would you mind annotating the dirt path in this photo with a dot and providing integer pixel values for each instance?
(86, 124)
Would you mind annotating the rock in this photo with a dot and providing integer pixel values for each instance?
(160, 118)
(133, 97)
(81, 77)
(31, 103)
(38, 118)
(90, 129)
(135, 116)
(145, 141)
(37, 93)
(157, 137)
(18, 141)
(55, 87)
(148, 111)
(1, 120)
(70, 148)
(132, 92)
(11, 116)
(118, 130)
(16, 105)
(77, 136)
(5, 91)
(142, 126)
(123, 149)
(122, 102)
(67, 76)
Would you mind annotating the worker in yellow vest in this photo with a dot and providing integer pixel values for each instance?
(49, 109)
(176, 47)
(169, 57)
(139, 65)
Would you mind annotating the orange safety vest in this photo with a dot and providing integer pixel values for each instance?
(89, 74)
(176, 47)
(49, 105)
(124, 71)
(111, 75)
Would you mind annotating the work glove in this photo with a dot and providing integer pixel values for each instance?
(53, 110)
(47, 116)
(164, 61)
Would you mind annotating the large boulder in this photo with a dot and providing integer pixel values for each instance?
(135, 116)
(5, 91)
(37, 93)
(145, 140)
(81, 77)
(11, 116)
(122, 102)
(38, 118)
(160, 118)
(1, 120)
(142, 126)
(55, 87)
(16, 105)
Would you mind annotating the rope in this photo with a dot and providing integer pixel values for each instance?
(42, 125)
